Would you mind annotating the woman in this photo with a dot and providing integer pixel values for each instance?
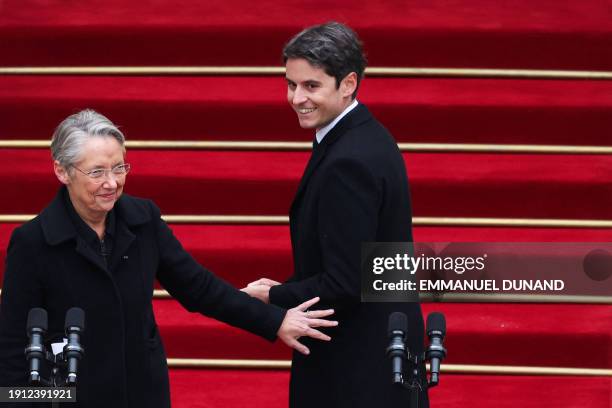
(98, 249)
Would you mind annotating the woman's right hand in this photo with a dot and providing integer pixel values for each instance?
(300, 322)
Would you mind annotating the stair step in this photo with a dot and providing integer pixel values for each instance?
(191, 388)
(257, 183)
(576, 335)
(269, 389)
(526, 34)
(243, 253)
(558, 112)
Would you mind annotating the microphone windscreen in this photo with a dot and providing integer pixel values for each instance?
(436, 322)
(398, 321)
(75, 317)
(37, 317)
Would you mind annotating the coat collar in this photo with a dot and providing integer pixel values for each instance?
(360, 114)
(57, 226)
(354, 118)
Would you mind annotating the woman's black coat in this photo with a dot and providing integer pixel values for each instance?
(50, 266)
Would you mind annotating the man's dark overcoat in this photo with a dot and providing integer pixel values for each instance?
(49, 265)
(354, 189)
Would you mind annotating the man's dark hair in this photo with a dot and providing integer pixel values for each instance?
(333, 47)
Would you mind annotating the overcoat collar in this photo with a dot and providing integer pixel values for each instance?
(57, 226)
(353, 119)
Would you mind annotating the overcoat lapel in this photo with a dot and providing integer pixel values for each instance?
(58, 228)
(85, 251)
(125, 237)
(355, 117)
(129, 215)
(315, 158)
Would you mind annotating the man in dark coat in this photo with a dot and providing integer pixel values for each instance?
(100, 250)
(354, 190)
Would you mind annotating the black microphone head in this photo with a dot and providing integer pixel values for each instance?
(398, 322)
(37, 317)
(436, 323)
(75, 317)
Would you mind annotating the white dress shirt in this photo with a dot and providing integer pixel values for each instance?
(325, 129)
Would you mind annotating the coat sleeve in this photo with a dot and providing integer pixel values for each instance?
(349, 200)
(199, 290)
(22, 289)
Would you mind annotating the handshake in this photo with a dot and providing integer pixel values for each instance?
(299, 321)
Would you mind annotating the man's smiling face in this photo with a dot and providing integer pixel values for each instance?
(313, 94)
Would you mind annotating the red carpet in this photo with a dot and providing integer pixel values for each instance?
(439, 33)
(447, 33)
(229, 388)
(268, 389)
(243, 108)
(451, 185)
(489, 334)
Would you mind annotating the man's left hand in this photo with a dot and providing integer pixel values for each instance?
(261, 292)
(260, 289)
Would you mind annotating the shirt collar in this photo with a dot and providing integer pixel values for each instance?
(325, 129)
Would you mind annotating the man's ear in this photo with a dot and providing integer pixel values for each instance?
(349, 85)
(61, 172)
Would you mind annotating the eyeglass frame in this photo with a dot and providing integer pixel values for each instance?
(104, 176)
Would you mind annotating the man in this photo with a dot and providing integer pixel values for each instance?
(354, 190)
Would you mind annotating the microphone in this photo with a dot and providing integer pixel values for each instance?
(35, 351)
(436, 330)
(398, 326)
(73, 352)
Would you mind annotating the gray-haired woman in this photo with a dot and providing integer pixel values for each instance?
(96, 248)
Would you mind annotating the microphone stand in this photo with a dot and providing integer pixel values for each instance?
(56, 380)
(412, 381)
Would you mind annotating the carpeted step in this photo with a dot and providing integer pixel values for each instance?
(191, 388)
(255, 108)
(525, 34)
(243, 253)
(576, 335)
(237, 182)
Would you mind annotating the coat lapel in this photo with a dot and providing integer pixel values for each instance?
(355, 117)
(124, 238)
(130, 214)
(85, 250)
(58, 228)
(315, 158)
